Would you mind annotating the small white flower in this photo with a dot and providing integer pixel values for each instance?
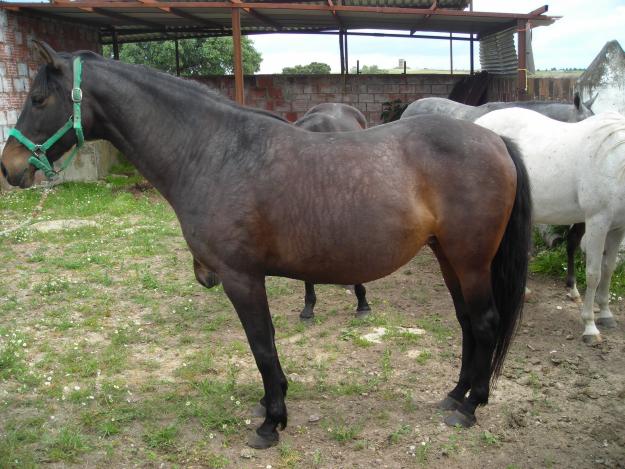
(211, 436)
(232, 398)
(238, 403)
(247, 421)
(188, 403)
(76, 388)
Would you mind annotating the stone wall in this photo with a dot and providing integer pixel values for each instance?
(292, 95)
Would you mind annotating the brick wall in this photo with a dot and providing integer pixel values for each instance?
(19, 63)
(292, 95)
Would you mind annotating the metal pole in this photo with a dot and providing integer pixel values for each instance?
(404, 67)
(522, 69)
(346, 56)
(451, 53)
(357, 67)
(472, 55)
(115, 45)
(341, 52)
(177, 59)
(238, 62)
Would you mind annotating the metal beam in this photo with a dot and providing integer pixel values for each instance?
(189, 16)
(124, 17)
(238, 61)
(260, 17)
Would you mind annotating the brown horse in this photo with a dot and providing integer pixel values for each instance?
(257, 197)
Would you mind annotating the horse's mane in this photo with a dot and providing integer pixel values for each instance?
(188, 84)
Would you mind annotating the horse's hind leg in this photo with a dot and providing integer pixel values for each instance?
(612, 244)
(363, 307)
(596, 234)
(573, 239)
(309, 302)
(456, 396)
(249, 298)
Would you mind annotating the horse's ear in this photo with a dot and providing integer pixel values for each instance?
(577, 101)
(48, 54)
(591, 101)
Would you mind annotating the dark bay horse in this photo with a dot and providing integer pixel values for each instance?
(256, 196)
(332, 117)
(576, 111)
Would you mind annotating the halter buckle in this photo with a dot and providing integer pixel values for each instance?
(76, 95)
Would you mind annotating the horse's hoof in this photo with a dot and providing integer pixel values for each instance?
(257, 441)
(608, 323)
(577, 299)
(458, 418)
(592, 339)
(528, 294)
(305, 318)
(363, 313)
(449, 403)
(259, 411)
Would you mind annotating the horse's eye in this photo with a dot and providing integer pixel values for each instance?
(37, 100)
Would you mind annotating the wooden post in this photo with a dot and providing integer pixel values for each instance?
(177, 59)
(238, 61)
(115, 45)
(357, 67)
(522, 68)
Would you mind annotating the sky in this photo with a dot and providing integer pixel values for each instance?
(572, 42)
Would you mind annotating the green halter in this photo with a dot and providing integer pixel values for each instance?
(39, 159)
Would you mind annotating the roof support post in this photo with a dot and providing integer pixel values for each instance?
(177, 59)
(115, 45)
(522, 68)
(451, 53)
(346, 55)
(238, 62)
(472, 54)
(342, 52)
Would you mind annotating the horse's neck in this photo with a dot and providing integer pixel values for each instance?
(153, 121)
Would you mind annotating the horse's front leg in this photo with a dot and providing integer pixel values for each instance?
(248, 295)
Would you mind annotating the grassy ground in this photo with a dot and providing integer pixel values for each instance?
(112, 355)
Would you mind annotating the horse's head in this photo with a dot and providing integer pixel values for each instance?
(583, 110)
(46, 111)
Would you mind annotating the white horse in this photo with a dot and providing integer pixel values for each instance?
(577, 174)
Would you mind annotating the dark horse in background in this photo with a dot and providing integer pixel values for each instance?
(324, 117)
(332, 117)
(256, 197)
(563, 112)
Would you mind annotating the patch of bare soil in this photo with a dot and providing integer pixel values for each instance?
(559, 402)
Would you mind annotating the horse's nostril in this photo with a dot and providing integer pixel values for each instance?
(4, 170)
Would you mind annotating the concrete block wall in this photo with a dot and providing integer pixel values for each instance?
(292, 95)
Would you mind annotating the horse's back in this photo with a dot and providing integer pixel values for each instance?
(561, 161)
(441, 106)
(339, 117)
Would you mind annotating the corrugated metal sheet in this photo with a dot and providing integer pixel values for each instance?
(497, 53)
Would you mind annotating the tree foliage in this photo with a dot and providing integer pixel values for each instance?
(207, 56)
(313, 68)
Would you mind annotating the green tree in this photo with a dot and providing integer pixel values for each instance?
(208, 56)
(313, 68)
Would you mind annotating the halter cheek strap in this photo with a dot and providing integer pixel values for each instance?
(39, 159)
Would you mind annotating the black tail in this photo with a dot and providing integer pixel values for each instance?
(509, 267)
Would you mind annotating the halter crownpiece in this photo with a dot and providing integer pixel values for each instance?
(39, 159)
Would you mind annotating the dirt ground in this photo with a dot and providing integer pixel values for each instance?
(559, 402)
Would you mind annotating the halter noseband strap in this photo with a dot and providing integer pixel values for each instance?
(39, 159)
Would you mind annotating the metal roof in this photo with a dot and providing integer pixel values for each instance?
(133, 21)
